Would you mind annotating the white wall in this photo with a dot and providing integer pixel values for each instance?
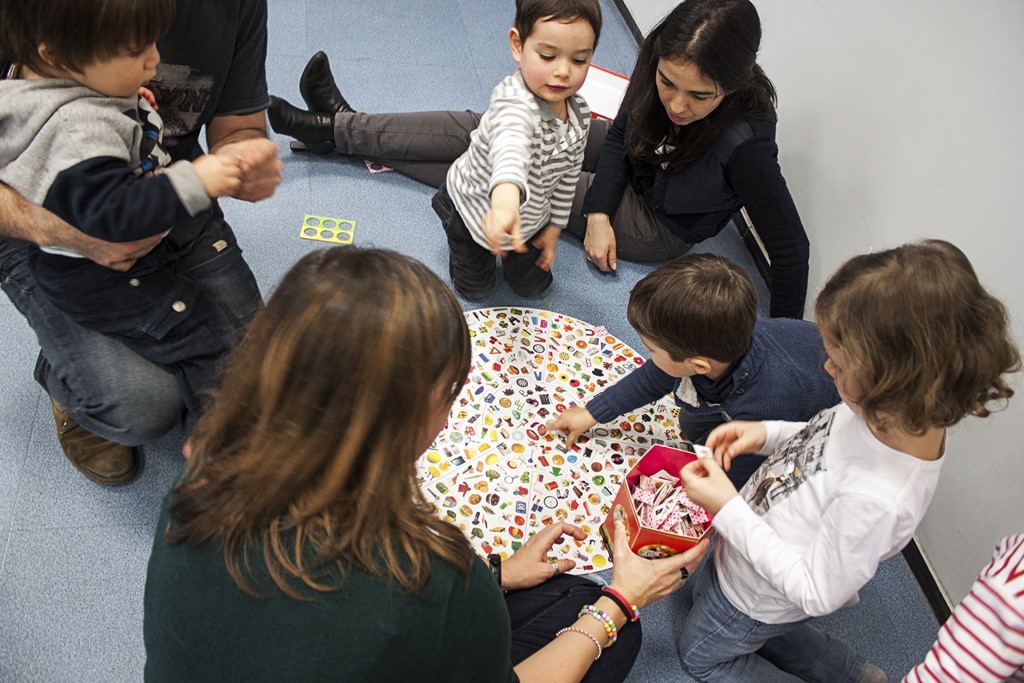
(647, 13)
(900, 119)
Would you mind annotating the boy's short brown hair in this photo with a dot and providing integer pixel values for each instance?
(696, 305)
(77, 33)
(529, 12)
(922, 339)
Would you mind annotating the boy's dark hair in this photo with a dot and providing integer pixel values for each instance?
(696, 305)
(923, 342)
(529, 12)
(79, 32)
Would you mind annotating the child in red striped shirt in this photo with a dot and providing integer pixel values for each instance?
(983, 640)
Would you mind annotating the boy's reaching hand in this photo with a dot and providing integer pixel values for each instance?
(707, 485)
(547, 241)
(736, 438)
(220, 174)
(147, 94)
(501, 224)
(572, 423)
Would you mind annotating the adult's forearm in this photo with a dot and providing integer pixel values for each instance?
(223, 130)
(21, 219)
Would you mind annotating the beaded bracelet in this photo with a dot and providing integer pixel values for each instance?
(631, 611)
(579, 630)
(606, 621)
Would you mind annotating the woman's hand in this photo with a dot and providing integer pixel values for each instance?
(707, 485)
(645, 581)
(529, 566)
(731, 439)
(573, 422)
(599, 242)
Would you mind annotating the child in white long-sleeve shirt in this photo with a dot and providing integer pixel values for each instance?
(914, 344)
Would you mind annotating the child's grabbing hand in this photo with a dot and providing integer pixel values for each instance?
(501, 224)
(147, 94)
(547, 241)
(736, 438)
(220, 174)
(707, 485)
(572, 423)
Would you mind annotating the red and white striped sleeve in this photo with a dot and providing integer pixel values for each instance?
(983, 640)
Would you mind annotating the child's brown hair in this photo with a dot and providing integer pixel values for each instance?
(79, 32)
(529, 12)
(696, 305)
(924, 343)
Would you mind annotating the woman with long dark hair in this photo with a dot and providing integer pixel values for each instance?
(693, 142)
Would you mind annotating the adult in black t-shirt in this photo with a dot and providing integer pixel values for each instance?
(105, 398)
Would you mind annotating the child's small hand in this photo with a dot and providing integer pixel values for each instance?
(572, 423)
(220, 174)
(736, 438)
(547, 241)
(501, 226)
(147, 94)
(707, 485)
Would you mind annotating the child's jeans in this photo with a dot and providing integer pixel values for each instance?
(472, 267)
(720, 643)
(157, 312)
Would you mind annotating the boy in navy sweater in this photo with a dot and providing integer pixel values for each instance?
(697, 316)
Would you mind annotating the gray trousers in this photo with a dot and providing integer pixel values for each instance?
(423, 145)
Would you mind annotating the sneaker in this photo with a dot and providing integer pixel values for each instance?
(103, 461)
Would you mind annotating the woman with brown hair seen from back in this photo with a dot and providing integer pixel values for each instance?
(297, 546)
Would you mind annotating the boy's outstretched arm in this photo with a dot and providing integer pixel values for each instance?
(501, 224)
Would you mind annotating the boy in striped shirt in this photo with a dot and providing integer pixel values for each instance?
(511, 192)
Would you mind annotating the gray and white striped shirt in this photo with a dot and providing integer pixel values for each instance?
(521, 140)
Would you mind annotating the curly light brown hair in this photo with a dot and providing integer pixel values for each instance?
(925, 344)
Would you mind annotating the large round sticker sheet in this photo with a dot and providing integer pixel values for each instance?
(498, 473)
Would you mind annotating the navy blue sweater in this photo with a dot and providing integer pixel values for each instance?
(780, 377)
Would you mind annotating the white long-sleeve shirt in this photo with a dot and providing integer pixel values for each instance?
(521, 140)
(809, 529)
(983, 639)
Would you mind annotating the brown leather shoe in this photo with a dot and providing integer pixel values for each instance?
(103, 461)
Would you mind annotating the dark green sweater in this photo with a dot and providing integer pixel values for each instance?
(199, 626)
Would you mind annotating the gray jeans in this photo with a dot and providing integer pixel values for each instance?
(423, 145)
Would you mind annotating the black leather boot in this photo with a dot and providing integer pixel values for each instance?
(313, 129)
(318, 89)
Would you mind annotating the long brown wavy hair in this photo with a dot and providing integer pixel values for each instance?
(720, 38)
(924, 343)
(306, 455)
